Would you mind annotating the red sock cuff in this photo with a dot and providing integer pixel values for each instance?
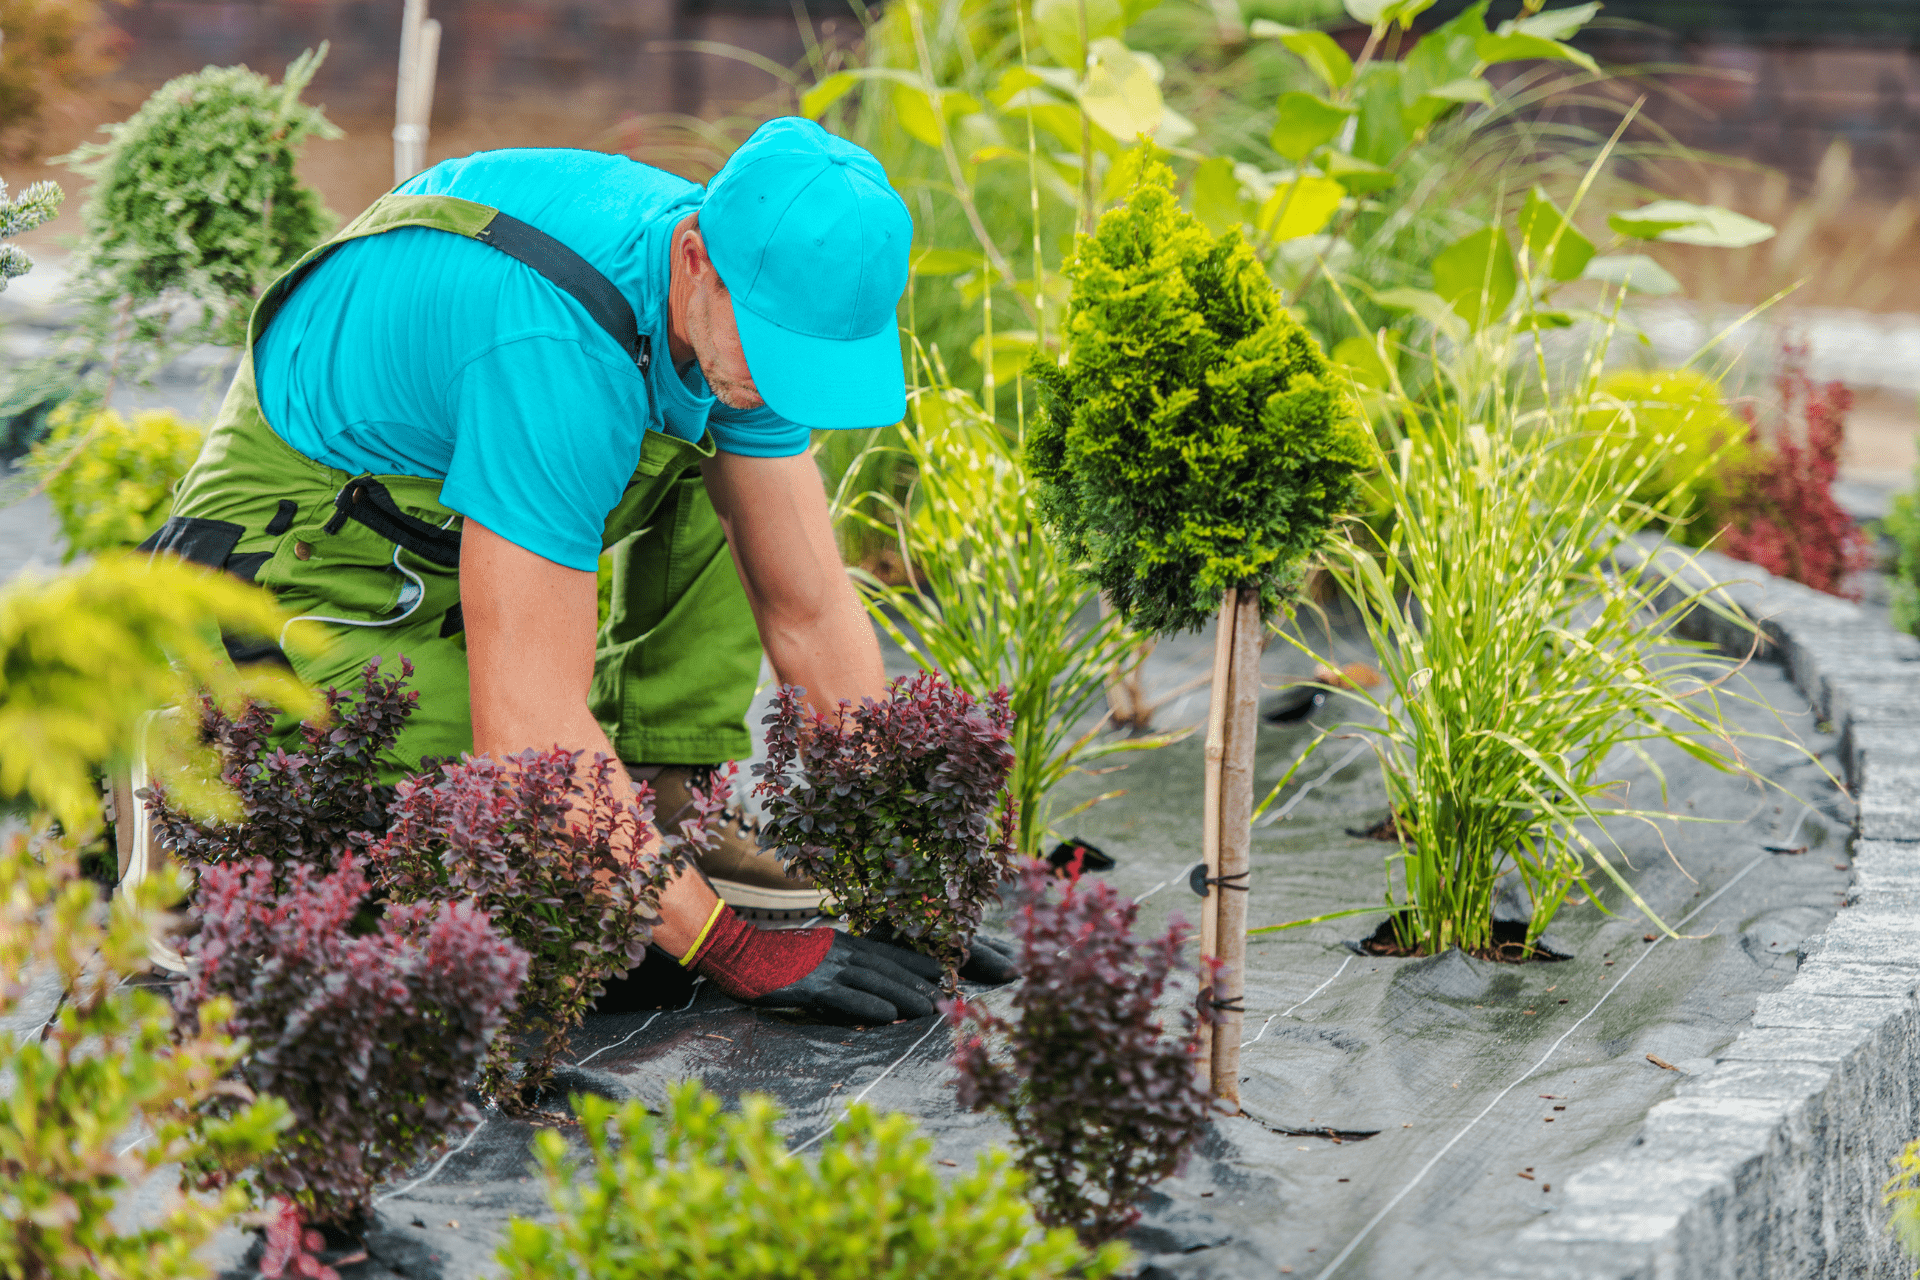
(747, 963)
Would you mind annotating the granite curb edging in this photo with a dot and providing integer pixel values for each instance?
(1770, 1163)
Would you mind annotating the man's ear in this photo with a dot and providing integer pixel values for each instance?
(690, 246)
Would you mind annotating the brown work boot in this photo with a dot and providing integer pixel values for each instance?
(748, 878)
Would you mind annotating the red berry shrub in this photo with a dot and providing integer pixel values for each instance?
(306, 807)
(897, 807)
(372, 1041)
(1103, 1102)
(545, 848)
(1780, 511)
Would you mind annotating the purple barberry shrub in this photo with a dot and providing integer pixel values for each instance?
(545, 846)
(898, 808)
(299, 808)
(1102, 1100)
(372, 1041)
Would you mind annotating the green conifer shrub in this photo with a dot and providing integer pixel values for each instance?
(195, 201)
(119, 488)
(698, 1195)
(1194, 436)
(113, 1092)
(37, 204)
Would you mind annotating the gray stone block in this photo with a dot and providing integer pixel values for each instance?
(1769, 1045)
(1882, 701)
(1826, 976)
(1888, 745)
(1817, 1013)
(1889, 803)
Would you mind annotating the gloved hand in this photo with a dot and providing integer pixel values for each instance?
(989, 960)
(829, 974)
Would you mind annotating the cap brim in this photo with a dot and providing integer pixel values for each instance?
(823, 383)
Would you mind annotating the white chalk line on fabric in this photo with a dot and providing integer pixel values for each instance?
(1310, 995)
(1307, 789)
(643, 1026)
(441, 1163)
(857, 1098)
(1530, 1072)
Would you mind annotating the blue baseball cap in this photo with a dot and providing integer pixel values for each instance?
(812, 241)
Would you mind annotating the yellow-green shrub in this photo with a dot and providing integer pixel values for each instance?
(1676, 419)
(111, 480)
(85, 654)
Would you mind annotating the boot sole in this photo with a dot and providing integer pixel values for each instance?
(761, 903)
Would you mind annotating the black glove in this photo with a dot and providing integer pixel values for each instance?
(989, 960)
(859, 981)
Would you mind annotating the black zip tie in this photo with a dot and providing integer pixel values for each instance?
(1198, 880)
(1230, 1005)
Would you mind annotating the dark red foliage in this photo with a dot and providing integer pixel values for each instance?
(897, 807)
(292, 1245)
(545, 847)
(1103, 1102)
(372, 1041)
(1780, 513)
(307, 807)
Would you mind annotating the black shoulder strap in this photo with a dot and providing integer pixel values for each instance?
(569, 271)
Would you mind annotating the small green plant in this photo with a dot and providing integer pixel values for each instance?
(1903, 526)
(110, 1092)
(85, 654)
(990, 601)
(1195, 438)
(116, 490)
(701, 1195)
(1901, 1194)
(195, 208)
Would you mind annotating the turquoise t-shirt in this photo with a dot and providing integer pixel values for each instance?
(419, 352)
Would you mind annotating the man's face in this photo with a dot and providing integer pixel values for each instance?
(716, 344)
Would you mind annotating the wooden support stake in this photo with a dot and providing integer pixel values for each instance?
(1242, 722)
(1210, 819)
(413, 95)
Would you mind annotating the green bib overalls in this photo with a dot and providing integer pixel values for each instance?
(375, 559)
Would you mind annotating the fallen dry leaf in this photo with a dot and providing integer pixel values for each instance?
(1661, 1063)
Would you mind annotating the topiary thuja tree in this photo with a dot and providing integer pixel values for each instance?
(1194, 437)
(1195, 449)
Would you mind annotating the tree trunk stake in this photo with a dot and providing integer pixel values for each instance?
(1242, 720)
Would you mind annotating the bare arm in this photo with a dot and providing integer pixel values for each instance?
(812, 624)
(530, 640)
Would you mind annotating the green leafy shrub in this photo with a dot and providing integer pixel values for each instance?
(196, 207)
(1102, 1101)
(1194, 438)
(85, 654)
(1676, 418)
(113, 1092)
(990, 601)
(698, 1195)
(898, 808)
(116, 488)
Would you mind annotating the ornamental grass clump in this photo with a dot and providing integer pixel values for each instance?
(896, 808)
(1103, 1101)
(372, 1040)
(698, 1194)
(109, 1092)
(1530, 667)
(548, 849)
